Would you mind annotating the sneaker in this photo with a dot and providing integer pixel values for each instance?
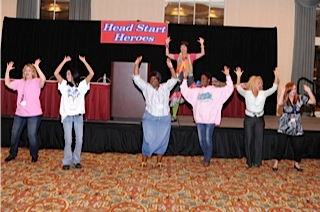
(66, 167)
(173, 119)
(78, 166)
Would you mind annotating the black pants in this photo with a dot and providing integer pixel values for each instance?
(253, 138)
(296, 143)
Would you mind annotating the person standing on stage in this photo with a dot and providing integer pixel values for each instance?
(184, 62)
(290, 125)
(255, 98)
(28, 110)
(156, 121)
(207, 102)
(72, 108)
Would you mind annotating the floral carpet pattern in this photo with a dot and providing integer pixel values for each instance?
(117, 182)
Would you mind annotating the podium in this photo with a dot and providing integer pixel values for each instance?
(127, 101)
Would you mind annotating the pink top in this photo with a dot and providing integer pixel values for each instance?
(28, 101)
(207, 101)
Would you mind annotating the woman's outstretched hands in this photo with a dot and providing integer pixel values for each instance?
(226, 70)
(276, 72)
(238, 71)
(36, 63)
(10, 66)
(67, 58)
(307, 88)
(169, 63)
(201, 41)
(81, 58)
(138, 61)
(168, 39)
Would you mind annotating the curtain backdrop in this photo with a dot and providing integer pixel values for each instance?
(28, 9)
(80, 10)
(254, 49)
(304, 40)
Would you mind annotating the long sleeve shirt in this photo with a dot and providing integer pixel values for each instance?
(255, 104)
(207, 101)
(157, 101)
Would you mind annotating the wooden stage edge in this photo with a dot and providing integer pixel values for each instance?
(271, 122)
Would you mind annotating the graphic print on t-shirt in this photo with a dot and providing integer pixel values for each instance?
(73, 93)
(205, 96)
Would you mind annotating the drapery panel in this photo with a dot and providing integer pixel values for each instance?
(28, 9)
(80, 10)
(304, 40)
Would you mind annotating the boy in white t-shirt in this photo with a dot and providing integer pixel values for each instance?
(72, 108)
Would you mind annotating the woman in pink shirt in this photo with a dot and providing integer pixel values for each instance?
(207, 102)
(28, 110)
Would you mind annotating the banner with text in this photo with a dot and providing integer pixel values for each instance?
(128, 32)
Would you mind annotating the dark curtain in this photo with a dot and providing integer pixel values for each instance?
(254, 49)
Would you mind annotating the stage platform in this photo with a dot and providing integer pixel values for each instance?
(126, 137)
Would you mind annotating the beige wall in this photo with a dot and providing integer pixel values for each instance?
(251, 13)
(271, 13)
(143, 10)
(7, 8)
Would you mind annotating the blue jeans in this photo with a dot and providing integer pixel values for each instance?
(205, 133)
(68, 123)
(18, 126)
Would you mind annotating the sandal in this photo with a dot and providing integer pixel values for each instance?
(159, 164)
(143, 164)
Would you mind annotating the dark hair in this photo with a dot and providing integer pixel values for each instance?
(156, 74)
(76, 78)
(184, 43)
(207, 74)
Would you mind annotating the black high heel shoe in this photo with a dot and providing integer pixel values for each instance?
(9, 158)
(298, 169)
(275, 168)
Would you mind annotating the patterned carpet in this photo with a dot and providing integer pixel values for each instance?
(116, 182)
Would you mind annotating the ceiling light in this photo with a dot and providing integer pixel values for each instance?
(54, 8)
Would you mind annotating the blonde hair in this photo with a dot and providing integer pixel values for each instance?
(252, 80)
(33, 69)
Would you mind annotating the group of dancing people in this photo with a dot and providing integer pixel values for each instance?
(206, 99)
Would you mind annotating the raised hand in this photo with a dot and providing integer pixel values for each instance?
(307, 88)
(238, 71)
(37, 62)
(226, 70)
(82, 58)
(138, 60)
(169, 63)
(10, 66)
(276, 72)
(201, 41)
(168, 39)
(67, 58)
